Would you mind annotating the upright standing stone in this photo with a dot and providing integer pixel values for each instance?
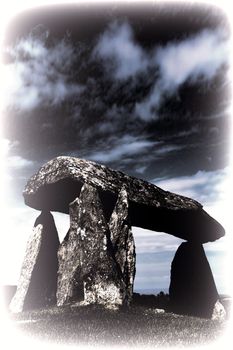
(123, 242)
(38, 279)
(102, 282)
(70, 284)
(192, 289)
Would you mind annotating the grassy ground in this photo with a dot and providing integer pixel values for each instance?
(138, 325)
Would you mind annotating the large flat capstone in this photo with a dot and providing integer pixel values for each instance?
(60, 180)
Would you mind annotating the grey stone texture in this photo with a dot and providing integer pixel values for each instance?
(38, 279)
(59, 182)
(70, 285)
(91, 265)
(123, 242)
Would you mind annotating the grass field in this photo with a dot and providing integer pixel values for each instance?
(136, 326)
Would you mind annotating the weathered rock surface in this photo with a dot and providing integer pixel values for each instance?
(192, 288)
(123, 242)
(88, 267)
(60, 180)
(32, 250)
(70, 284)
(102, 282)
(38, 279)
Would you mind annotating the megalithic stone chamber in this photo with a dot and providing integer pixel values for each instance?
(59, 182)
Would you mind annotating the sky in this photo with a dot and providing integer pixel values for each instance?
(142, 89)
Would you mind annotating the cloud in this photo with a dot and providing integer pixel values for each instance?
(164, 150)
(123, 148)
(18, 162)
(199, 56)
(196, 58)
(38, 74)
(118, 148)
(15, 169)
(204, 186)
(150, 241)
(12, 161)
(122, 56)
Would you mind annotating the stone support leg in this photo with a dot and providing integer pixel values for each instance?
(123, 242)
(70, 285)
(103, 283)
(38, 278)
(192, 289)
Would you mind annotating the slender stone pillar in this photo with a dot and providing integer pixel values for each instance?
(38, 278)
(123, 242)
(70, 284)
(103, 283)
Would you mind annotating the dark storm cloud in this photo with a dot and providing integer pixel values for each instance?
(125, 93)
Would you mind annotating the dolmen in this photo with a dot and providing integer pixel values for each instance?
(95, 263)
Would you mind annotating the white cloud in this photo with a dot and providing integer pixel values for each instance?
(9, 160)
(168, 149)
(198, 57)
(122, 55)
(12, 168)
(195, 58)
(204, 186)
(17, 162)
(150, 241)
(118, 148)
(38, 75)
